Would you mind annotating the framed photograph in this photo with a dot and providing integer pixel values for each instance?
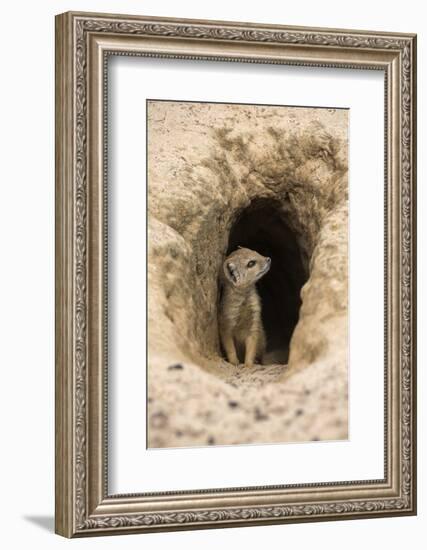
(235, 274)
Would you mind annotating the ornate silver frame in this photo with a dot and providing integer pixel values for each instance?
(83, 505)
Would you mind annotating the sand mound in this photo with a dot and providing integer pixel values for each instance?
(273, 179)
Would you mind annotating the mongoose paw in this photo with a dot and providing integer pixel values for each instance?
(234, 361)
(249, 365)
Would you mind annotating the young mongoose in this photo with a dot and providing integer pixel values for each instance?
(240, 324)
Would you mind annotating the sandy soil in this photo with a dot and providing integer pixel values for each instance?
(207, 163)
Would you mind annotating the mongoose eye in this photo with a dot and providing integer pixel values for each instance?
(251, 263)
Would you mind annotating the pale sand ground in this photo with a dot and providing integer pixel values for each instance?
(206, 162)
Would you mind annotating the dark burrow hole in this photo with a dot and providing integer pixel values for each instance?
(262, 227)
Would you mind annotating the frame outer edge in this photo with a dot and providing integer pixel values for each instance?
(414, 270)
(72, 474)
(64, 431)
(235, 23)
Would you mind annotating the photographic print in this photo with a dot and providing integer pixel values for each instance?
(247, 260)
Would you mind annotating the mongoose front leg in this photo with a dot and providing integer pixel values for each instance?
(229, 347)
(250, 349)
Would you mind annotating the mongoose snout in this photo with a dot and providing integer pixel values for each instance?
(240, 324)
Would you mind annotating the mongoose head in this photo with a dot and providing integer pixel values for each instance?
(244, 267)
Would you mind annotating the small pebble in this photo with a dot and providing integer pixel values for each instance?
(159, 420)
(259, 415)
(178, 366)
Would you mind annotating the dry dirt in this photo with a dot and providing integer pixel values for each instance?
(207, 163)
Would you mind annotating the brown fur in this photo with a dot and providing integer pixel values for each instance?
(240, 324)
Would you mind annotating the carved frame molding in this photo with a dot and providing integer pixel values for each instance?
(83, 43)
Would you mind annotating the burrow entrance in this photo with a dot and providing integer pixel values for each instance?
(262, 227)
